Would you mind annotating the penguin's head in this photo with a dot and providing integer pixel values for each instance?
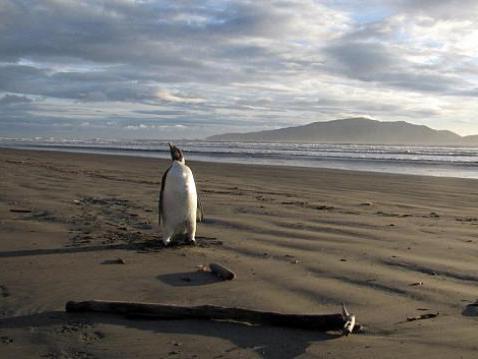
(176, 153)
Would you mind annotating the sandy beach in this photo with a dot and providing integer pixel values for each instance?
(300, 240)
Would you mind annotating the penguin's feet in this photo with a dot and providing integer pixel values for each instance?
(192, 241)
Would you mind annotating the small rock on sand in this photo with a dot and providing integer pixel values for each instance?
(114, 261)
(366, 204)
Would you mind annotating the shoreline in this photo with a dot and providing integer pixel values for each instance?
(287, 165)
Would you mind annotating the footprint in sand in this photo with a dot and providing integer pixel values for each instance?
(467, 219)
(83, 330)
(6, 340)
(89, 338)
(4, 292)
(78, 354)
(73, 327)
(389, 214)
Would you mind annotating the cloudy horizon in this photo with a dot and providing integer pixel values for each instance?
(190, 69)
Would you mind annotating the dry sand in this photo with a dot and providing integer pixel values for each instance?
(300, 240)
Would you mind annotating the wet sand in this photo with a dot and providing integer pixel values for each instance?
(300, 240)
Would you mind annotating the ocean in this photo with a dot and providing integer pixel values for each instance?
(447, 161)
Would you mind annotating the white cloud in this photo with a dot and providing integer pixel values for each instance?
(177, 98)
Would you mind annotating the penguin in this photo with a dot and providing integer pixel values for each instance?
(179, 203)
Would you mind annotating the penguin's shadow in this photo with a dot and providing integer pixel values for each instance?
(188, 279)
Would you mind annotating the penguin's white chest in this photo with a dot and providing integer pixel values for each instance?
(179, 197)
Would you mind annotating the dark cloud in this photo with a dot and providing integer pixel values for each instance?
(471, 93)
(360, 59)
(82, 86)
(446, 9)
(14, 99)
(154, 33)
(160, 112)
(377, 62)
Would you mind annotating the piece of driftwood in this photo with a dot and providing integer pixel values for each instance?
(423, 316)
(221, 271)
(20, 210)
(114, 261)
(415, 284)
(320, 322)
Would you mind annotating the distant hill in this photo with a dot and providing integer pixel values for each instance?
(354, 130)
(471, 140)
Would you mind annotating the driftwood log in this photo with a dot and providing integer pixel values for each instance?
(318, 322)
(20, 210)
(423, 316)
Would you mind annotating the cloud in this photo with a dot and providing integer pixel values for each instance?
(14, 99)
(444, 9)
(387, 65)
(360, 59)
(176, 98)
(142, 126)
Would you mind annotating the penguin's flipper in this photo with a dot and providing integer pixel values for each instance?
(160, 202)
(200, 210)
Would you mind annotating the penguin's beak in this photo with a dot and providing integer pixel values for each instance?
(172, 149)
(176, 154)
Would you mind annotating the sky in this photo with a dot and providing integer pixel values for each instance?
(190, 69)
